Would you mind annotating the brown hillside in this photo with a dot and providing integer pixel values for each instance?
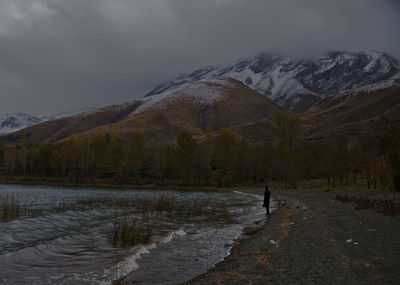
(240, 105)
(354, 114)
(58, 129)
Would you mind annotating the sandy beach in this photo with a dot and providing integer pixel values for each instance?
(313, 238)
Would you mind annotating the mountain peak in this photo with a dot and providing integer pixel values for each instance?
(298, 83)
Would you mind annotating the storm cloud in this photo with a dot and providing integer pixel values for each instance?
(58, 55)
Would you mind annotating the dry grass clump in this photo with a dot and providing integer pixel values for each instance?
(164, 203)
(128, 231)
(170, 206)
(11, 207)
(387, 207)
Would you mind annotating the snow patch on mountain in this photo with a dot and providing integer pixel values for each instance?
(373, 87)
(67, 114)
(202, 92)
(13, 122)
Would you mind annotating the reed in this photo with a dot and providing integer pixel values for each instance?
(165, 203)
(129, 231)
(11, 207)
(170, 206)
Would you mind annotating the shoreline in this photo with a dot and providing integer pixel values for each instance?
(314, 239)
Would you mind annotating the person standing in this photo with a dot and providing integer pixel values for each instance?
(267, 196)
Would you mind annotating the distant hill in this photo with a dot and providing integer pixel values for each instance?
(58, 129)
(12, 122)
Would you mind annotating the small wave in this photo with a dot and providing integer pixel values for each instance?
(173, 234)
(129, 263)
(259, 197)
(126, 265)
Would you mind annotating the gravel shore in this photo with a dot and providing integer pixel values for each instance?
(312, 238)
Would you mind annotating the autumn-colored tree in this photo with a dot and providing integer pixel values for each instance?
(224, 156)
(99, 145)
(202, 158)
(186, 146)
(70, 158)
(164, 162)
(115, 159)
(9, 160)
(43, 156)
(285, 166)
(55, 163)
(289, 127)
(86, 158)
(254, 162)
(136, 154)
(31, 160)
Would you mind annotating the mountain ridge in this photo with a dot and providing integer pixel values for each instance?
(296, 84)
(196, 103)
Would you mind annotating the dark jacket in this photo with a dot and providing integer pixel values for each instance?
(267, 196)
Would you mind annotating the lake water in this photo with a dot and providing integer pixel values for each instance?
(69, 244)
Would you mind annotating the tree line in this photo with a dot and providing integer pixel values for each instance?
(220, 159)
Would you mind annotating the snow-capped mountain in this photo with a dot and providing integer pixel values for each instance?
(298, 83)
(13, 122)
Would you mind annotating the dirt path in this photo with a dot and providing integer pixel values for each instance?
(318, 240)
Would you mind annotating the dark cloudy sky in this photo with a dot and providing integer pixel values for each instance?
(58, 55)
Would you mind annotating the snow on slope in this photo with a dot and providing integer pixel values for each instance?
(71, 113)
(290, 81)
(13, 122)
(202, 92)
